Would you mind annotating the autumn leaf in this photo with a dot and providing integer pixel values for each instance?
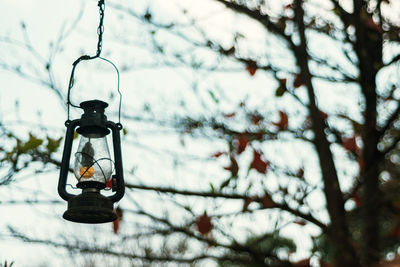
(267, 201)
(32, 144)
(251, 67)
(350, 144)
(298, 81)
(324, 115)
(256, 118)
(371, 24)
(283, 122)
(53, 144)
(233, 168)
(218, 154)
(302, 263)
(230, 115)
(203, 224)
(258, 163)
(117, 222)
(289, 6)
(357, 200)
(300, 173)
(241, 143)
(280, 91)
(325, 264)
(300, 222)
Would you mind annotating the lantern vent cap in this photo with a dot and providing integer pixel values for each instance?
(93, 104)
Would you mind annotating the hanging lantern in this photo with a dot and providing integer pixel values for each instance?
(93, 165)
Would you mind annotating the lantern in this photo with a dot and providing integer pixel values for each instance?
(93, 166)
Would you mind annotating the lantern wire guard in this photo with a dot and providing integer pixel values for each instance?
(90, 206)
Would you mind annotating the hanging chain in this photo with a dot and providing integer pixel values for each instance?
(100, 31)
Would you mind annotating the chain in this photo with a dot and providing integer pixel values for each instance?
(100, 29)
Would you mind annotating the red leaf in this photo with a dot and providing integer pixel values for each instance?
(283, 122)
(117, 222)
(230, 115)
(281, 90)
(298, 81)
(300, 173)
(325, 264)
(256, 118)
(218, 154)
(258, 163)
(323, 115)
(203, 224)
(241, 143)
(233, 168)
(356, 198)
(370, 23)
(267, 201)
(251, 67)
(350, 144)
(289, 6)
(302, 263)
(300, 222)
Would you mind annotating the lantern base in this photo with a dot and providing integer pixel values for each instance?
(90, 207)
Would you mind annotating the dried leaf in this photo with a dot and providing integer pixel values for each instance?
(267, 201)
(241, 143)
(251, 67)
(298, 81)
(350, 144)
(357, 200)
(258, 163)
(204, 224)
(256, 118)
(283, 122)
(117, 222)
(324, 115)
(218, 154)
(230, 115)
(300, 222)
(302, 263)
(300, 173)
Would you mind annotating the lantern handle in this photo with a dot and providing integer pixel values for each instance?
(71, 83)
(100, 31)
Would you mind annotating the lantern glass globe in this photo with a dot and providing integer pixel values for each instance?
(92, 160)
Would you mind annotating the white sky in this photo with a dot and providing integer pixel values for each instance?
(162, 88)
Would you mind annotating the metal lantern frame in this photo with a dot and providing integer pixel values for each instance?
(90, 206)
